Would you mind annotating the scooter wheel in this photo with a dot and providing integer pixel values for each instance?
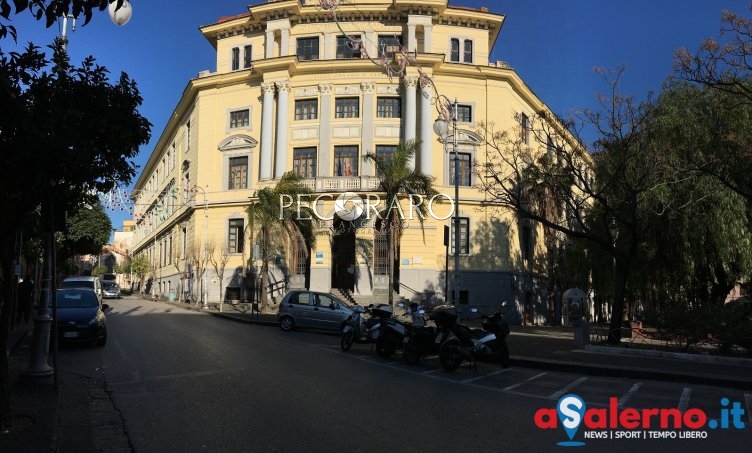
(450, 356)
(411, 355)
(346, 341)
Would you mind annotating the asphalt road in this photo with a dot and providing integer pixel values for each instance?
(186, 381)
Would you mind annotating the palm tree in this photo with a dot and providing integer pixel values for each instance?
(399, 180)
(279, 229)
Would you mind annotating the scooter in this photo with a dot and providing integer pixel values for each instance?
(359, 328)
(391, 331)
(420, 338)
(461, 343)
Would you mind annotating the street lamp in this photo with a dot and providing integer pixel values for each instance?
(441, 128)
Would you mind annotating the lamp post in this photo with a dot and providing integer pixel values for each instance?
(205, 258)
(441, 128)
(39, 372)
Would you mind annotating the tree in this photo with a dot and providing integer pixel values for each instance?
(219, 255)
(724, 65)
(87, 230)
(139, 266)
(50, 10)
(197, 255)
(67, 133)
(278, 227)
(591, 190)
(397, 179)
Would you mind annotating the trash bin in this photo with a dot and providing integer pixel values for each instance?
(581, 333)
(172, 295)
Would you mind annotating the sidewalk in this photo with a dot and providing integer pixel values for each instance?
(61, 421)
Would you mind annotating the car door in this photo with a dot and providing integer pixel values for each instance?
(300, 306)
(327, 312)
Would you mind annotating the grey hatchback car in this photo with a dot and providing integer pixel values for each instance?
(312, 310)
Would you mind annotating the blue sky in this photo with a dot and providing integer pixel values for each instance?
(552, 44)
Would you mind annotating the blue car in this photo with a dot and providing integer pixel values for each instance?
(80, 316)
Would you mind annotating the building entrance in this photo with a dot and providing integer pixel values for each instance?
(343, 255)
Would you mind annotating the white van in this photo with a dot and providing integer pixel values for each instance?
(84, 282)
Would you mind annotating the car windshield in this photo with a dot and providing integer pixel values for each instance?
(76, 299)
(109, 285)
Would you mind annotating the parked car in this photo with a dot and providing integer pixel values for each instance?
(312, 310)
(80, 316)
(110, 290)
(93, 283)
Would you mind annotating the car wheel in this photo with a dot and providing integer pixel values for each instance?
(450, 356)
(347, 340)
(286, 323)
(383, 349)
(102, 341)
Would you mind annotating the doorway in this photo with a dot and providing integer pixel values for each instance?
(343, 255)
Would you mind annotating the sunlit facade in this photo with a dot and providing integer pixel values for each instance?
(289, 93)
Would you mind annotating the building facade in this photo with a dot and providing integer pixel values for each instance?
(290, 92)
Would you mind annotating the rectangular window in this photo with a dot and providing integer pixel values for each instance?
(527, 243)
(454, 52)
(464, 223)
(385, 153)
(304, 162)
(388, 108)
(345, 161)
(308, 48)
(347, 108)
(238, 173)
(235, 58)
(525, 126)
(389, 45)
(235, 236)
(306, 109)
(239, 118)
(463, 160)
(348, 47)
(247, 56)
(464, 114)
(467, 54)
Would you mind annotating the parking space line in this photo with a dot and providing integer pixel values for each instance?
(478, 378)
(748, 403)
(514, 386)
(427, 372)
(569, 387)
(684, 400)
(624, 399)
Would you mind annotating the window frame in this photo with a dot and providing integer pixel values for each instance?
(461, 118)
(312, 161)
(385, 41)
(386, 152)
(247, 56)
(338, 160)
(388, 104)
(303, 112)
(235, 239)
(454, 50)
(245, 123)
(230, 167)
(464, 224)
(235, 59)
(525, 128)
(344, 51)
(467, 55)
(343, 111)
(306, 53)
(466, 174)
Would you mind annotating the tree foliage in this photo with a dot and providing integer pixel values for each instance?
(49, 10)
(87, 230)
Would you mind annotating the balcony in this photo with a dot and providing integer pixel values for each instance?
(342, 183)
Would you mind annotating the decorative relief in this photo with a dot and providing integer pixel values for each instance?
(305, 133)
(410, 82)
(267, 87)
(237, 142)
(306, 92)
(345, 131)
(388, 89)
(387, 131)
(347, 90)
(325, 88)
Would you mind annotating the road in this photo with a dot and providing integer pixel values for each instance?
(179, 380)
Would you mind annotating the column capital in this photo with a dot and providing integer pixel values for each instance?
(325, 88)
(410, 82)
(267, 87)
(283, 86)
(367, 87)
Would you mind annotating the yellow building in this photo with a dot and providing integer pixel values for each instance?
(290, 92)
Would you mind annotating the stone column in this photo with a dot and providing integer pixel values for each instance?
(269, 50)
(265, 166)
(427, 30)
(412, 43)
(427, 135)
(283, 92)
(284, 42)
(410, 112)
(325, 131)
(368, 127)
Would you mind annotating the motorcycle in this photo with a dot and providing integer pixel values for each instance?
(359, 328)
(459, 342)
(391, 331)
(420, 338)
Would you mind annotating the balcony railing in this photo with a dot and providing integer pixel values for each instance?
(342, 183)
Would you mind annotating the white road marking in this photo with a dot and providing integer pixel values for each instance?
(514, 386)
(684, 400)
(569, 387)
(478, 378)
(624, 399)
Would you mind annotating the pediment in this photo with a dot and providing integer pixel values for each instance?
(464, 137)
(239, 141)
